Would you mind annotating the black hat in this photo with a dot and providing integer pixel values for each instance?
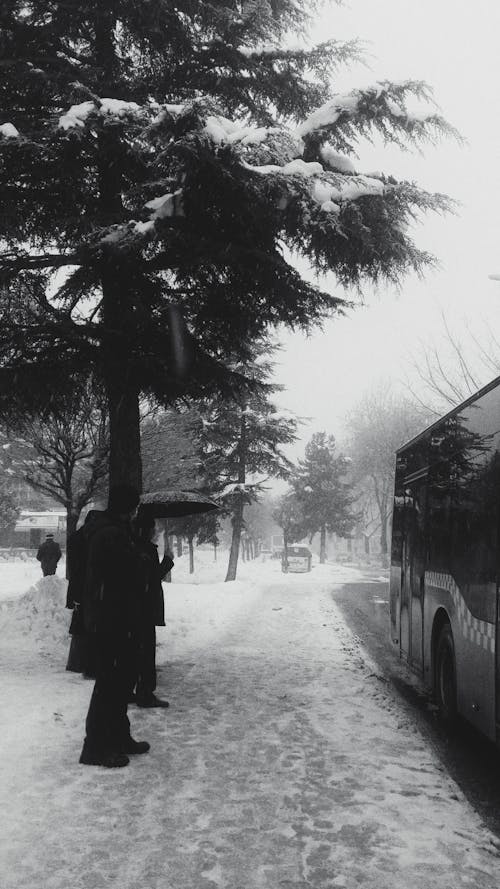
(122, 499)
(49, 534)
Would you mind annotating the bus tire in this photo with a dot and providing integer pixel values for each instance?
(446, 677)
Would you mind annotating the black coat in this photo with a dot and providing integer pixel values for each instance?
(76, 558)
(113, 578)
(49, 553)
(153, 572)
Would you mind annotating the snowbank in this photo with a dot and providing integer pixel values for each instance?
(38, 618)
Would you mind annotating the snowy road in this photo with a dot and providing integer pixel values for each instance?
(284, 761)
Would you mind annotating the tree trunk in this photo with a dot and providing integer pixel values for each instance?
(179, 547)
(71, 523)
(285, 552)
(322, 546)
(191, 555)
(215, 552)
(237, 520)
(166, 545)
(237, 523)
(383, 528)
(125, 465)
(117, 302)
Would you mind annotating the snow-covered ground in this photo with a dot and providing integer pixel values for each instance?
(284, 761)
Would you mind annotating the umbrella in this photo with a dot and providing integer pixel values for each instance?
(174, 504)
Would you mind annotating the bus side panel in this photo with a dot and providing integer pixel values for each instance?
(474, 651)
(395, 578)
(394, 601)
(476, 679)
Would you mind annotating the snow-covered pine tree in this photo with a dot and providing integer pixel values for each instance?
(156, 159)
(323, 490)
(241, 447)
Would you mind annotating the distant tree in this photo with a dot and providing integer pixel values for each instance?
(9, 511)
(197, 529)
(289, 515)
(451, 366)
(242, 442)
(63, 453)
(378, 425)
(260, 524)
(323, 490)
(156, 157)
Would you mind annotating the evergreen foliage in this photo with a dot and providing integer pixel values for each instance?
(241, 446)
(289, 515)
(324, 491)
(156, 159)
(169, 450)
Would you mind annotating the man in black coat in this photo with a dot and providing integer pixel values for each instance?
(49, 553)
(152, 611)
(111, 604)
(81, 658)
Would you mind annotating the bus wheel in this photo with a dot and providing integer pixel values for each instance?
(446, 682)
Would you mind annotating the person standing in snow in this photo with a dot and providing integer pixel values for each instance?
(81, 658)
(152, 611)
(111, 609)
(49, 553)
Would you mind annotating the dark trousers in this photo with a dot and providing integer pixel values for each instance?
(107, 724)
(81, 658)
(146, 662)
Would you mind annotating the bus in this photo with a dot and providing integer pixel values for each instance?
(445, 565)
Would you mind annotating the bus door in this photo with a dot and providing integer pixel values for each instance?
(413, 570)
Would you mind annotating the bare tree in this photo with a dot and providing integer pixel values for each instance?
(453, 366)
(64, 453)
(378, 425)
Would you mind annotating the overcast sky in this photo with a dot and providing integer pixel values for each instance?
(454, 47)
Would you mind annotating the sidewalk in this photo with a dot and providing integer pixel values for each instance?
(284, 762)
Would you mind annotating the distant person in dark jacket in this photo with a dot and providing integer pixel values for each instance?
(152, 611)
(49, 553)
(111, 603)
(81, 658)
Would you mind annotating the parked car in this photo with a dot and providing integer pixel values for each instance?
(296, 559)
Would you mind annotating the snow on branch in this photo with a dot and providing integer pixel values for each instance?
(325, 188)
(167, 205)
(77, 115)
(265, 49)
(221, 129)
(238, 488)
(382, 106)
(8, 131)
(163, 207)
(329, 113)
(298, 166)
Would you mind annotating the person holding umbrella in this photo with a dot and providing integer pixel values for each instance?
(111, 610)
(152, 610)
